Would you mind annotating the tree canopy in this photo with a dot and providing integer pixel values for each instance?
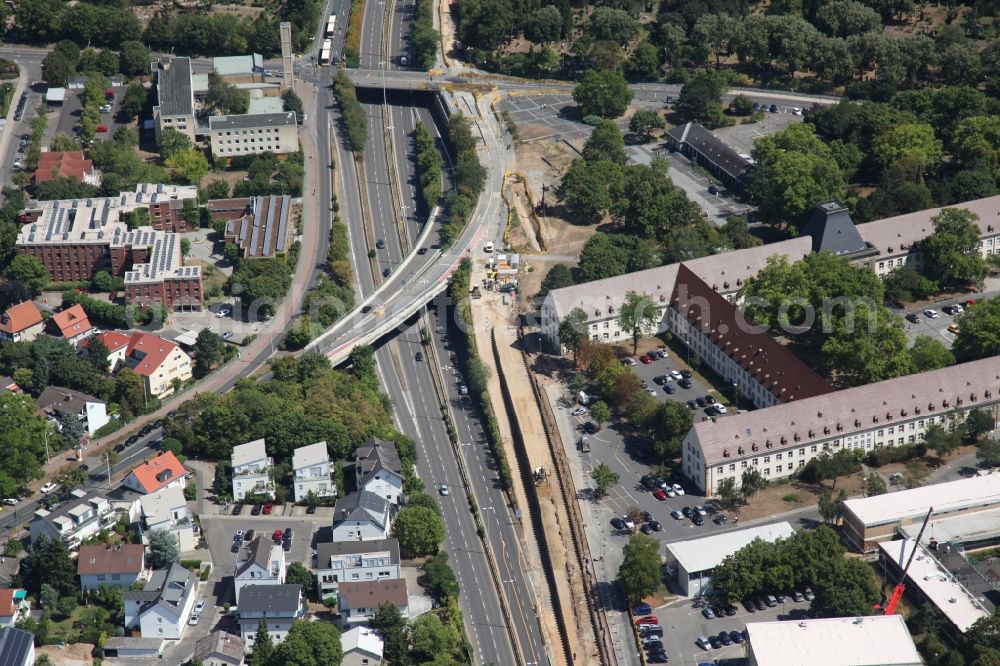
(602, 93)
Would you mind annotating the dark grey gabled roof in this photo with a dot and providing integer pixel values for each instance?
(15, 645)
(833, 230)
(173, 86)
(260, 554)
(252, 121)
(376, 455)
(328, 549)
(360, 505)
(275, 599)
(166, 587)
(711, 148)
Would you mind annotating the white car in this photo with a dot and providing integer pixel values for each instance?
(10, 501)
(49, 487)
(676, 374)
(662, 353)
(700, 510)
(194, 618)
(628, 361)
(677, 514)
(199, 607)
(678, 489)
(628, 523)
(931, 314)
(579, 411)
(720, 409)
(651, 391)
(444, 489)
(669, 490)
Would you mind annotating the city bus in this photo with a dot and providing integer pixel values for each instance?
(331, 25)
(324, 53)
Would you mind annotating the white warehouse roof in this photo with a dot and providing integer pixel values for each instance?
(935, 582)
(946, 498)
(880, 640)
(708, 553)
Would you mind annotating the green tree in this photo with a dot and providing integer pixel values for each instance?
(440, 576)
(573, 330)
(559, 276)
(130, 392)
(831, 508)
(298, 574)
(612, 25)
(29, 271)
(217, 189)
(419, 530)
(727, 492)
(263, 647)
(941, 441)
(432, 639)
(639, 573)
(844, 18)
(718, 32)
(847, 589)
(171, 142)
(644, 63)
(979, 332)
(874, 485)
(189, 165)
(290, 101)
(588, 190)
(644, 122)
(133, 103)
(57, 68)
(951, 252)
(602, 93)
(929, 353)
(870, 347)
(70, 431)
(905, 284)
(638, 316)
(736, 231)
(135, 58)
(209, 351)
(63, 141)
(668, 424)
(224, 98)
(600, 412)
(915, 140)
(988, 452)
(604, 477)
(977, 423)
(163, 549)
(751, 483)
(700, 99)
(48, 562)
(605, 143)
(545, 25)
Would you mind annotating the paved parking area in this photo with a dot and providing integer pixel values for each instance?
(219, 532)
(70, 112)
(551, 117)
(683, 623)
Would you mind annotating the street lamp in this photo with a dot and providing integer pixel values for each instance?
(736, 387)
(687, 343)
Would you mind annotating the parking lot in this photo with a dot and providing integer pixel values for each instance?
(683, 623)
(935, 327)
(549, 116)
(71, 111)
(219, 531)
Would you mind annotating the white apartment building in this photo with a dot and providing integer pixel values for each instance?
(252, 134)
(362, 516)
(378, 469)
(354, 561)
(264, 565)
(312, 474)
(175, 96)
(252, 470)
(79, 518)
(167, 510)
(280, 605)
(780, 439)
(163, 606)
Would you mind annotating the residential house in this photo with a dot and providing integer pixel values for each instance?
(378, 470)
(219, 648)
(159, 362)
(71, 325)
(265, 565)
(66, 164)
(353, 561)
(118, 566)
(125, 502)
(117, 345)
(9, 568)
(17, 647)
(252, 470)
(13, 606)
(21, 323)
(80, 517)
(163, 471)
(280, 605)
(166, 509)
(163, 606)
(362, 647)
(358, 601)
(361, 516)
(8, 384)
(58, 402)
(311, 465)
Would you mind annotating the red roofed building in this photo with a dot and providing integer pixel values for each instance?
(163, 471)
(159, 362)
(12, 606)
(66, 164)
(71, 324)
(21, 323)
(117, 344)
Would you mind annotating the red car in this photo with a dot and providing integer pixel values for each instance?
(649, 619)
(647, 359)
(101, 128)
(267, 509)
(278, 535)
(660, 494)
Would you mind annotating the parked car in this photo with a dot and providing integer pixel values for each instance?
(724, 638)
(642, 609)
(697, 520)
(311, 509)
(714, 642)
(101, 128)
(646, 529)
(194, 618)
(655, 524)
(237, 509)
(685, 383)
(691, 404)
(660, 380)
(687, 511)
(649, 482)
(676, 374)
(49, 487)
(730, 610)
(720, 519)
(707, 613)
(737, 637)
(238, 536)
(579, 411)
(661, 353)
(771, 601)
(809, 594)
(749, 605)
(648, 619)
(618, 523)
(255, 510)
(798, 596)
(249, 535)
(200, 606)
(759, 604)
(10, 501)
(912, 318)
(267, 509)
(444, 489)
(931, 314)
(670, 389)
(278, 535)
(700, 510)
(677, 515)
(646, 359)
(678, 488)
(660, 494)
(703, 643)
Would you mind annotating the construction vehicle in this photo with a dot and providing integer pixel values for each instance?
(897, 592)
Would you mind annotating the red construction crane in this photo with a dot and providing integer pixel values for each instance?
(898, 591)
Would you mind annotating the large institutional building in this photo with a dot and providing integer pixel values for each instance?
(799, 415)
(75, 238)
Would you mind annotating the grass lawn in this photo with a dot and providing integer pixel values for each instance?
(213, 279)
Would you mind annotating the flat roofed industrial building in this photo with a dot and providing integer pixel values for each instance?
(870, 520)
(880, 640)
(931, 581)
(695, 560)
